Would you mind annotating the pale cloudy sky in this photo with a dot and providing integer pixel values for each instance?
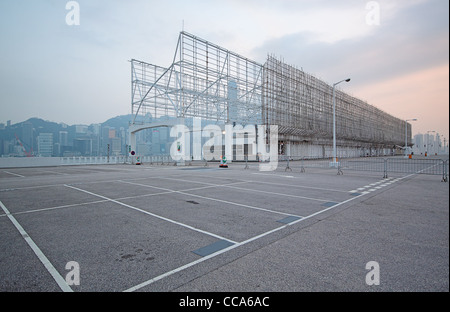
(81, 74)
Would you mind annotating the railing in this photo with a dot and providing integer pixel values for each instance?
(386, 166)
(92, 160)
(18, 162)
(433, 166)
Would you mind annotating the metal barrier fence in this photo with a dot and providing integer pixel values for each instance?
(401, 165)
(433, 166)
(92, 160)
(383, 165)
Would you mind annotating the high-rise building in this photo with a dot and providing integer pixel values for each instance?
(112, 133)
(63, 138)
(45, 144)
(83, 146)
(115, 146)
(104, 141)
(27, 136)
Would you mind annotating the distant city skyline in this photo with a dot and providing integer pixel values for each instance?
(39, 138)
(93, 140)
(396, 52)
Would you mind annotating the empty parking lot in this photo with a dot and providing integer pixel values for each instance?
(195, 228)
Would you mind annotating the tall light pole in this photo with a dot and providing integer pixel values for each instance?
(428, 139)
(437, 143)
(334, 163)
(406, 135)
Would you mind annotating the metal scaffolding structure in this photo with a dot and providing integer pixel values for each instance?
(212, 83)
(301, 105)
(204, 81)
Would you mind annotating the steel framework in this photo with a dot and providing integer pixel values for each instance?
(301, 105)
(217, 85)
(204, 81)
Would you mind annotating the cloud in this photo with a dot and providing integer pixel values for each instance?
(423, 94)
(398, 66)
(414, 40)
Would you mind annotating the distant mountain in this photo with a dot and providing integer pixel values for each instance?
(119, 121)
(44, 126)
(38, 125)
(31, 127)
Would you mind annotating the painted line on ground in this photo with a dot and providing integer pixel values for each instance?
(152, 214)
(75, 183)
(44, 260)
(55, 172)
(274, 175)
(102, 201)
(14, 174)
(56, 207)
(188, 265)
(212, 248)
(281, 194)
(179, 269)
(250, 190)
(270, 183)
(373, 186)
(297, 186)
(288, 220)
(215, 199)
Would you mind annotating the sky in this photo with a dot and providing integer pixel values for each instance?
(396, 52)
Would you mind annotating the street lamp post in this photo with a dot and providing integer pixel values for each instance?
(334, 163)
(428, 139)
(406, 135)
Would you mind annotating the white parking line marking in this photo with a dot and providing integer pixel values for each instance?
(281, 194)
(298, 186)
(55, 172)
(50, 268)
(273, 175)
(14, 174)
(105, 200)
(58, 207)
(188, 265)
(215, 199)
(152, 214)
(250, 190)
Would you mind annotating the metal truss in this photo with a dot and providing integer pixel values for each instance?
(301, 105)
(204, 81)
(220, 86)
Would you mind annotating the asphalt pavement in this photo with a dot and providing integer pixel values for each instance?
(116, 228)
